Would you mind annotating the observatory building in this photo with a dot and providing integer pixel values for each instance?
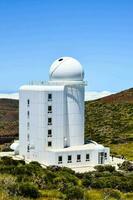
(51, 119)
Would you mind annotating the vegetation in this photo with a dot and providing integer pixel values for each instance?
(30, 181)
(8, 121)
(109, 121)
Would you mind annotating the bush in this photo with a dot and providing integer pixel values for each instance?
(102, 168)
(116, 194)
(126, 165)
(28, 190)
(74, 192)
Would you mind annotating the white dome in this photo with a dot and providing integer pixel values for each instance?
(66, 69)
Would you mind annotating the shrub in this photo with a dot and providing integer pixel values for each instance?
(126, 165)
(28, 190)
(109, 168)
(74, 192)
(102, 168)
(116, 194)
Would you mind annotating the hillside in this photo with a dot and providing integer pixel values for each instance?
(8, 119)
(110, 119)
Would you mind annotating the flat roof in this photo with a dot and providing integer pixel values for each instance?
(90, 146)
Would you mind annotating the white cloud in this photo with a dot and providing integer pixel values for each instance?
(88, 95)
(96, 95)
(9, 96)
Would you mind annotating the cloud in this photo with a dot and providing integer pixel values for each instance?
(96, 95)
(9, 96)
(88, 95)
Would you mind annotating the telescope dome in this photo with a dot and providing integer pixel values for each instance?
(66, 69)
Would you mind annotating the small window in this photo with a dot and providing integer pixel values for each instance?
(87, 157)
(78, 158)
(49, 121)
(28, 102)
(49, 133)
(28, 148)
(49, 109)
(69, 159)
(59, 159)
(60, 59)
(28, 137)
(28, 113)
(49, 144)
(28, 125)
(105, 155)
(49, 97)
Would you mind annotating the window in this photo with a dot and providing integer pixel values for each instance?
(69, 159)
(49, 97)
(49, 109)
(59, 159)
(105, 155)
(78, 158)
(28, 125)
(87, 157)
(49, 133)
(28, 137)
(28, 102)
(49, 121)
(28, 114)
(28, 148)
(50, 144)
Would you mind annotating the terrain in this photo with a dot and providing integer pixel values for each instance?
(22, 181)
(108, 120)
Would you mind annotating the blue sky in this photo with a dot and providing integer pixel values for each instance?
(99, 33)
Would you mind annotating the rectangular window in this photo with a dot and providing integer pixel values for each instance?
(78, 158)
(28, 113)
(105, 155)
(87, 157)
(49, 109)
(49, 121)
(28, 102)
(49, 97)
(28, 125)
(28, 148)
(69, 159)
(49, 144)
(28, 136)
(59, 159)
(49, 133)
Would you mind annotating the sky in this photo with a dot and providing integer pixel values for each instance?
(99, 33)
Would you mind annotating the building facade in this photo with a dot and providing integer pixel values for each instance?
(51, 119)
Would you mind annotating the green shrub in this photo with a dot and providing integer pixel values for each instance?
(126, 165)
(28, 190)
(116, 194)
(102, 168)
(74, 192)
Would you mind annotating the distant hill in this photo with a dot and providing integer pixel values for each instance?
(8, 119)
(110, 119)
(107, 120)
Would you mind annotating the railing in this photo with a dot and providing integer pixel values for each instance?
(58, 83)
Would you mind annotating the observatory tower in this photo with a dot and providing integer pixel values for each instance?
(51, 119)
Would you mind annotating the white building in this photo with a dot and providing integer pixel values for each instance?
(51, 119)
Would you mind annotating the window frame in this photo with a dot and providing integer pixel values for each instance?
(49, 96)
(50, 118)
(60, 161)
(49, 143)
(78, 157)
(87, 155)
(49, 132)
(69, 160)
(49, 110)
